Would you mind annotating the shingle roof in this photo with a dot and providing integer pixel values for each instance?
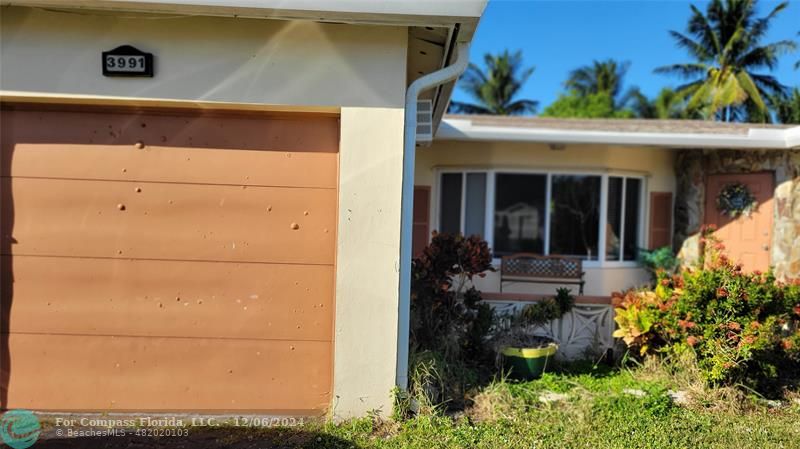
(616, 125)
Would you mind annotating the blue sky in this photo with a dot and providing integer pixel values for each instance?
(558, 36)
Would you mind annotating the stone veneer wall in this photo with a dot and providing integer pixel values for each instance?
(692, 166)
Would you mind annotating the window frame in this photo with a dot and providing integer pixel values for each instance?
(604, 174)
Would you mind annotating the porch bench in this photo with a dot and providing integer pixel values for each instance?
(532, 268)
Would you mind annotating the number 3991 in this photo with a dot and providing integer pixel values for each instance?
(125, 63)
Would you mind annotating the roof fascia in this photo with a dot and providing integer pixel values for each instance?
(399, 12)
(455, 129)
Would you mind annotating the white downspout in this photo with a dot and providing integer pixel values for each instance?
(428, 81)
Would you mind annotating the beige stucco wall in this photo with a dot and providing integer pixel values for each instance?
(275, 62)
(262, 64)
(657, 165)
(367, 260)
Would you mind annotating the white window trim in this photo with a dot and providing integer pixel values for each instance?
(491, 176)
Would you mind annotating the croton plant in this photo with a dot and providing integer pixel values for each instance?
(742, 327)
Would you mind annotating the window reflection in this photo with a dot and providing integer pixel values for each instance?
(614, 225)
(575, 216)
(633, 195)
(519, 213)
(450, 204)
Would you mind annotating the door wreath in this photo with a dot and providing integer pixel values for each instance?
(735, 200)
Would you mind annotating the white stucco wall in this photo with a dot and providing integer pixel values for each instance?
(205, 59)
(656, 165)
(356, 70)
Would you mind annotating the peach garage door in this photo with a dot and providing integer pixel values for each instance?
(167, 260)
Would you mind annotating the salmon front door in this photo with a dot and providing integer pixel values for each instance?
(747, 238)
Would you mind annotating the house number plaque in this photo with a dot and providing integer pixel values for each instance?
(127, 61)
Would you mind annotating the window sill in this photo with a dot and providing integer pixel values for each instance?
(611, 265)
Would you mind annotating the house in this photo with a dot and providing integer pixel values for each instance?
(602, 190)
(201, 200)
(212, 205)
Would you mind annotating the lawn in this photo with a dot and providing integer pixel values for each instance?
(589, 407)
(600, 408)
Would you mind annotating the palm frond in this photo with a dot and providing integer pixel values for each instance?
(700, 26)
(457, 107)
(724, 92)
(520, 107)
(688, 70)
(761, 26)
(696, 49)
(767, 55)
(495, 86)
(768, 84)
(749, 87)
(699, 94)
(599, 77)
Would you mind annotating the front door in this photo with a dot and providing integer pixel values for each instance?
(747, 238)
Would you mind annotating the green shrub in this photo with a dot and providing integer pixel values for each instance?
(742, 327)
(449, 322)
(547, 309)
(661, 260)
(446, 313)
(519, 334)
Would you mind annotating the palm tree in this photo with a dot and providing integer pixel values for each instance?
(725, 43)
(495, 90)
(787, 108)
(600, 77)
(797, 64)
(668, 104)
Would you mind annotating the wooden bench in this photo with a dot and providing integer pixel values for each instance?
(537, 269)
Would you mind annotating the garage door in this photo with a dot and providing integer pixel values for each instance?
(163, 260)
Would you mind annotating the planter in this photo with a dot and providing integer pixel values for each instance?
(528, 363)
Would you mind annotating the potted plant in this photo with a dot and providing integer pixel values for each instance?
(524, 355)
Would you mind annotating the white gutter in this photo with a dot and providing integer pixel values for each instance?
(756, 138)
(428, 81)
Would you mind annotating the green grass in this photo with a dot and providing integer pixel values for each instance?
(598, 413)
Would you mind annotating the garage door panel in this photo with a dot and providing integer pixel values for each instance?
(168, 298)
(170, 221)
(167, 260)
(171, 164)
(62, 372)
(187, 129)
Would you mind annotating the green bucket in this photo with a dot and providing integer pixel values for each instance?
(527, 363)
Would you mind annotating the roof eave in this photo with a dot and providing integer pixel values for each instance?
(453, 129)
(462, 33)
(400, 12)
(793, 137)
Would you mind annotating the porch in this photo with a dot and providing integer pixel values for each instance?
(582, 333)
